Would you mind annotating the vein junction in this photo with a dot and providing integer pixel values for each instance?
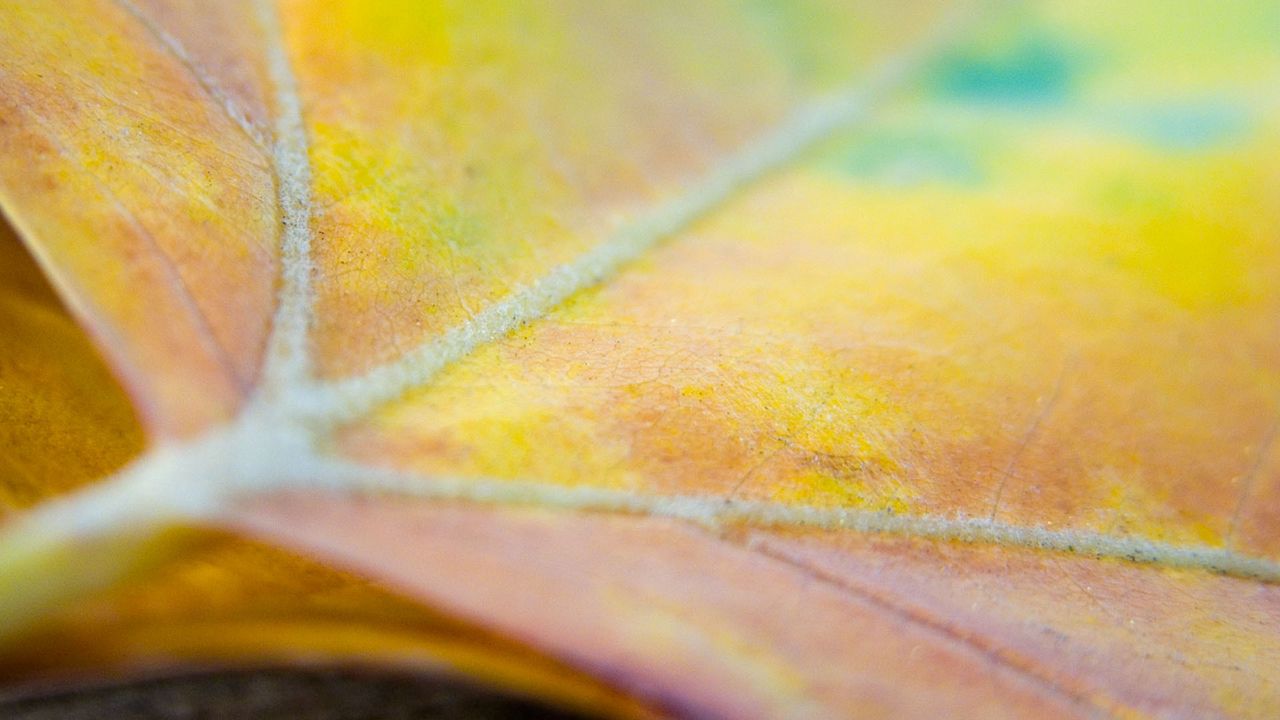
(277, 442)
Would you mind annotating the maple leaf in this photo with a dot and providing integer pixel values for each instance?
(729, 359)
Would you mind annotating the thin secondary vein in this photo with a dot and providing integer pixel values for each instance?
(347, 399)
(288, 363)
(1250, 478)
(1028, 437)
(207, 83)
(349, 477)
(201, 324)
(985, 648)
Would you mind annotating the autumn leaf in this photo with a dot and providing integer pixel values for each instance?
(723, 359)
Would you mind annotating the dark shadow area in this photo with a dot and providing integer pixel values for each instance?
(280, 694)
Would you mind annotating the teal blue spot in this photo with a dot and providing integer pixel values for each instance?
(1185, 127)
(1035, 71)
(904, 160)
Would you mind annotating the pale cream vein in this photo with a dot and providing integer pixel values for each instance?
(717, 511)
(288, 363)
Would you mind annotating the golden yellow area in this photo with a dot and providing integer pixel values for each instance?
(63, 419)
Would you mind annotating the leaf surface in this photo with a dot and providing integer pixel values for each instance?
(753, 359)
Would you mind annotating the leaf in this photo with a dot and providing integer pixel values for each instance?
(63, 421)
(736, 359)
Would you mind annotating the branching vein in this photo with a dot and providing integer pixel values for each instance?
(272, 446)
(811, 125)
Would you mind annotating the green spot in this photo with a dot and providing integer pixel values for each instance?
(1184, 127)
(806, 36)
(1035, 70)
(905, 159)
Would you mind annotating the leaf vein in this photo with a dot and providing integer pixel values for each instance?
(984, 647)
(201, 324)
(338, 475)
(288, 363)
(349, 398)
(211, 87)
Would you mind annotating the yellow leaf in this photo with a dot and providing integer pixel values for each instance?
(63, 421)
(725, 359)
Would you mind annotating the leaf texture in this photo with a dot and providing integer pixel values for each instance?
(753, 359)
(63, 421)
